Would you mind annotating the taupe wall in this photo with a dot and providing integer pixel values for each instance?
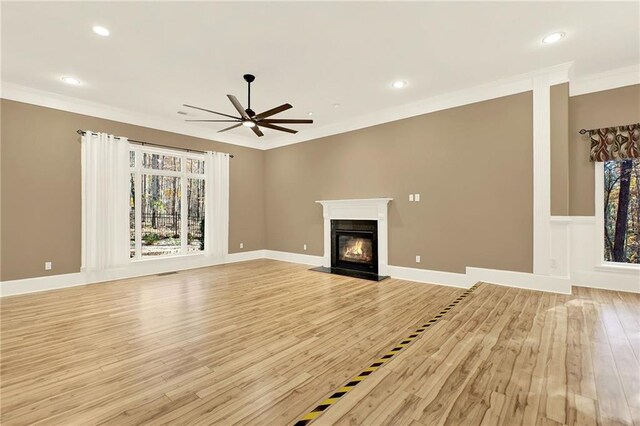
(40, 177)
(594, 110)
(560, 150)
(472, 166)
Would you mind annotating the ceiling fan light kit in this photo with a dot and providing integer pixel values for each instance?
(248, 117)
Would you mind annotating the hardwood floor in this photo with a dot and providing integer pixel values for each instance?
(263, 342)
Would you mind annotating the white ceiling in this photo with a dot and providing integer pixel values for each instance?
(312, 55)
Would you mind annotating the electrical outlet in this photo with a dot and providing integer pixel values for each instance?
(304, 247)
(410, 197)
(417, 259)
(241, 245)
(48, 266)
(416, 198)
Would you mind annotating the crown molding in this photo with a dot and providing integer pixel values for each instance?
(521, 83)
(612, 79)
(510, 86)
(29, 95)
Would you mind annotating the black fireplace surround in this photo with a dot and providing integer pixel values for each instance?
(354, 245)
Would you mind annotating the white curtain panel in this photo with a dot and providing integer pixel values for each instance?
(216, 224)
(105, 201)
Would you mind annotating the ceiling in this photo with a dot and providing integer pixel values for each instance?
(312, 55)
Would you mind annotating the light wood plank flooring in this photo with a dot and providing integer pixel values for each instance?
(263, 342)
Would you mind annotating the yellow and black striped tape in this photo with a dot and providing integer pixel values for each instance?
(342, 391)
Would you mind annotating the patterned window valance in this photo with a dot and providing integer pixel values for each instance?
(615, 143)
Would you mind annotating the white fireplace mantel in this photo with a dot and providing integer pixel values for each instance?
(358, 209)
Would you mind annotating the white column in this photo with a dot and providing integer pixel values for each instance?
(383, 242)
(541, 175)
(326, 261)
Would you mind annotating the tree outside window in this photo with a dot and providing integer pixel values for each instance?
(166, 203)
(622, 211)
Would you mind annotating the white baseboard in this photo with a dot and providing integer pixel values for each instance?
(135, 269)
(551, 284)
(430, 277)
(244, 256)
(34, 285)
(628, 281)
(305, 259)
(471, 276)
(493, 276)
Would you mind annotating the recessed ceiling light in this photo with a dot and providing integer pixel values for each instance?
(101, 31)
(71, 80)
(552, 38)
(309, 114)
(336, 105)
(399, 84)
(248, 123)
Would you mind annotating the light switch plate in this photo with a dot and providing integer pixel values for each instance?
(416, 197)
(417, 259)
(410, 197)
(48, 266)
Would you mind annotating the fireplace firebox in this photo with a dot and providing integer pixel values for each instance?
(354, 245)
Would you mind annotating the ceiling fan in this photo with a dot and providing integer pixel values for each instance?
(249, 118)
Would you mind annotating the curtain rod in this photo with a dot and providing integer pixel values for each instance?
(82, 132)
(583, 131)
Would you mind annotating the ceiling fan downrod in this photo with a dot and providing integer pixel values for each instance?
(249, 79)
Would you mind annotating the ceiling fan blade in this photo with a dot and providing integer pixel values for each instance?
(216, 121)
(272, 111)
(229, 128)
(208, 110)
(257, 131)
(274, 127)
(287, 120)
(238, 106)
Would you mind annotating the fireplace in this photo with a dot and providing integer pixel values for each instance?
(354, 245)
(355, 238)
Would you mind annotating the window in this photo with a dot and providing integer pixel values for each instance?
(166, 215)
(622, 211)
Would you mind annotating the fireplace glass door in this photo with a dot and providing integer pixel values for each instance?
(354, 245)
(355, 249)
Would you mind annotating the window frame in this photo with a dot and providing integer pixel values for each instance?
(601, 263)
(138, 171)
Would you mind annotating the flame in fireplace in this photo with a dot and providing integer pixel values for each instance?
(356, 251)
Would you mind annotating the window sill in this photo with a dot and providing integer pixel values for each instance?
(618, 267)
